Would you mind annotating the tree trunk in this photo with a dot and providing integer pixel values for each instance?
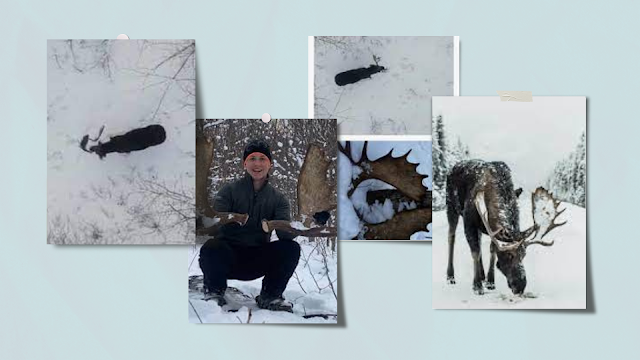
(204, 157)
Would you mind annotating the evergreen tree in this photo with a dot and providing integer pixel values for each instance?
(568, 179)
(446, 153)
(439, 157)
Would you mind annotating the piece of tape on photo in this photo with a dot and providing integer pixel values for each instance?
(522, 96)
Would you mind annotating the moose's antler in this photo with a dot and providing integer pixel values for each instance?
(401, 226)
(316, 194)
(314, 190)
(402, 175)
(376, 59)
(297, 228)
(398, 172)
(481, 207)
(545, 212)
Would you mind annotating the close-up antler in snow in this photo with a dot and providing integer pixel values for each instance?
(408, 189)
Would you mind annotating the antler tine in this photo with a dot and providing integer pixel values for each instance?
(493, 233)
(540, 242)
(406, 155)
(553, 226)
(543, 195)
(346, 150)
(363, 156)
(482, 211)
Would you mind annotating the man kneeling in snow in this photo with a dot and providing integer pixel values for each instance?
(245, 252)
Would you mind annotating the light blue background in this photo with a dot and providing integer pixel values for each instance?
(130, 302)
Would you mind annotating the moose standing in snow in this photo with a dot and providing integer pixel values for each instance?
(483, 194)
(355, 75)
(134, 140)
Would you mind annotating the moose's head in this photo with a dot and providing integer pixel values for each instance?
(372, 69)
(511, 247)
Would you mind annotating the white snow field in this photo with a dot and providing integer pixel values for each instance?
(143, 197)
(396, 101)
(313, 289)
(556, 275)
(349, 223)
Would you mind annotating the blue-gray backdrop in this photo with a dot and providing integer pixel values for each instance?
(131, 302)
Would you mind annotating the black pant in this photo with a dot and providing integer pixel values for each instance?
(276, 261)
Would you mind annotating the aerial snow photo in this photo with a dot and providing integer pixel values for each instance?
(509, 197)
(384, 190)
(266, 204)
(120, 144)
(381, 85)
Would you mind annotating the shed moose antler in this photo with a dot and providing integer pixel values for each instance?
(315, 199)
(204, 151)
(402, 175)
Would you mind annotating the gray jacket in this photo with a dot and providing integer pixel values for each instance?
(265, 204)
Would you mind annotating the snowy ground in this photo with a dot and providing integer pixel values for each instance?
(556, 275)
(310, 290)
(397, 101)
(350, 224)
(144, 197)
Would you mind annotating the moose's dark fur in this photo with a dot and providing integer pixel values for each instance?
(355, 75)
(134, 140)
(464, 182)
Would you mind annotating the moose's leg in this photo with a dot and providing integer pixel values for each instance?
(473, 238)
(491, 273)
(453, 224)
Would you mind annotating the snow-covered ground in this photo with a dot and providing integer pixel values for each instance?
(312, 290)
(556, 275)
(397, 101)
(350, 225)
(144, 197)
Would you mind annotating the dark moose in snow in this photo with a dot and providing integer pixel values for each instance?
(355, 75)
(483, 194)
(134, 140)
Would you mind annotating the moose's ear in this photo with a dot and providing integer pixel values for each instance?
(518, 192)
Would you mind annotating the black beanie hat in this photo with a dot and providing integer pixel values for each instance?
(257, 145)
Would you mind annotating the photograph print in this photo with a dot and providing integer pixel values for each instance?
(509, 198)
(380, 85)
(384, 190)
(120, 144)
(266, 222)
